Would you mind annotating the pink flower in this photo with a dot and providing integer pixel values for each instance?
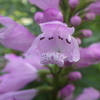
(89, 94)
(55, 44)
(35, 62)
(67, 92)
(89, 55)
(45, 4)
(19, 95)
(94, 7)
(14, 35)
(19, 73)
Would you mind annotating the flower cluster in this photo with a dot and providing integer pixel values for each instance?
(54, 56)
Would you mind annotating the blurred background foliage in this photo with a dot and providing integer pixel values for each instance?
(22, 12)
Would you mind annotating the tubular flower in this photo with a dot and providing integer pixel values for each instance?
(89, 55)
(89, 94)
(14, 35)
(19, 95)
(94, 7)
(18, 71)
(55, 45)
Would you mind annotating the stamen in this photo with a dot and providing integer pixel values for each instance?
(50, 38)
(42, 38)
(68, 41)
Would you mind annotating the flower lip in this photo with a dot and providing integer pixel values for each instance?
(53, 58)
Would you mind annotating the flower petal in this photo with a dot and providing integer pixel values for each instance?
(53, 25)
(19, 95)
(45, 4)
(34, 47)
(75, 54)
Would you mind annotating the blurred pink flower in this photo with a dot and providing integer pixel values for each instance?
(89, 94)
(19, 95)
(67, 92)
(94, 7)
(14, 35)
(89, 55)
(18, 73)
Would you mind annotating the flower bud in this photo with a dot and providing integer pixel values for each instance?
(39, 17)
(52, 14)
(75, 20)
(67, 91)
(73, 76)
(86, 33)
(73, 3)
(90, 16)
